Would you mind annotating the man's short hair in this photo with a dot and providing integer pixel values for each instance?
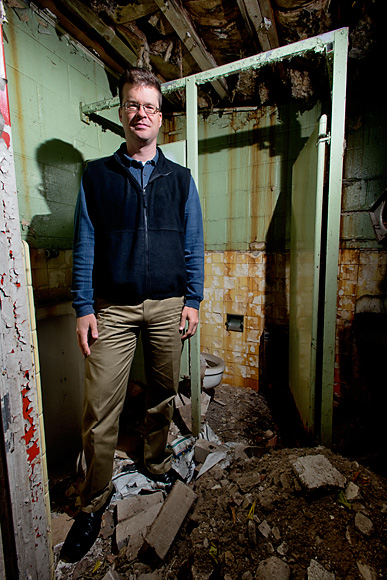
(139, 77)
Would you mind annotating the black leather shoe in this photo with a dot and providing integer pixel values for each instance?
(82, 534)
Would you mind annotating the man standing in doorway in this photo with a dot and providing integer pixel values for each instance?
(138, 266)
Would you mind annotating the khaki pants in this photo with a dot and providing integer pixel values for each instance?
(106, 379)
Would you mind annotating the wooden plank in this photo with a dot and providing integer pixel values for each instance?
(260, 21)
(91, 20)
(269, 28)
(69, 27)
(184, 28)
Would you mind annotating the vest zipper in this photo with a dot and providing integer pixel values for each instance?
(146, 240)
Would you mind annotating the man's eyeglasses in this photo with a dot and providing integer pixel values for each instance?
(132, 107)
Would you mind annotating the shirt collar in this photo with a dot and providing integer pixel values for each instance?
(134, 163)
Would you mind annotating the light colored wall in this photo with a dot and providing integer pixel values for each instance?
(245, 167)
(245, 164)
(48, 76)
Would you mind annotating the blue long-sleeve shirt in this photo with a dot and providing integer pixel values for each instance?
(83, 255)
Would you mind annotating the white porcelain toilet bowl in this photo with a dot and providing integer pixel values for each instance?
(214, 368)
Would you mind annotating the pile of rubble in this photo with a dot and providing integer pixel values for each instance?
(245, 511)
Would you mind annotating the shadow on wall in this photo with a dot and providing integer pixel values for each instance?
(61, 167)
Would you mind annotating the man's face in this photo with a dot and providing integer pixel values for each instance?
(140, 128)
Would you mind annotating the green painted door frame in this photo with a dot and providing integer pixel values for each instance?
(334, 45)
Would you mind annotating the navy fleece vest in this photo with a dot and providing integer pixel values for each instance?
(139, 234)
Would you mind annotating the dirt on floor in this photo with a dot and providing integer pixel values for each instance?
(255, 513)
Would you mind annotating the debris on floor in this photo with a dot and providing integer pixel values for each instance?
(248, 509)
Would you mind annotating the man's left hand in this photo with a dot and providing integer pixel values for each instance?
(190, 315)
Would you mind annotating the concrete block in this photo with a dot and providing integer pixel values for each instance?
(364, 524)
(167, 524)
(136, 504)
(316, 471)
(317, 572)
(273, 569)
(60, 527)
(352, 492)
(203, 448)
(140, 511)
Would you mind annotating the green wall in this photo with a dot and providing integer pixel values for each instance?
(48, 76)
(245, 165)
(365, 170)
(245, 161)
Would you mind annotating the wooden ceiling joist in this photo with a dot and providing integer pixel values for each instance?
(106, 32)
(259, 19)
(184, 28)
(67, 25)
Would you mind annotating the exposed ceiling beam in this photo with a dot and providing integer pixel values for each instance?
(106, 32)
(67, 26)
(184, 28)
(259, 19)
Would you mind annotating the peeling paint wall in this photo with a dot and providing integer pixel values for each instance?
(18, 387)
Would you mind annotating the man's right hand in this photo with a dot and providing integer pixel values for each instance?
(86, 326)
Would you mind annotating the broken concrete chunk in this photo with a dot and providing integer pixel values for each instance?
(107, 526)
(276, 533)
(364, 524)
(204, 448)
(367, 573)
(283, 549)
(317, 572)
(112, 575)
(60, 527)
(265, 529)
(156, 575)
(316, 471)
(131, 506)
(252, 532)
(142, 511)
(197, 575)
(352, 491)
(266, 499)
(171, 516)
(272, 569)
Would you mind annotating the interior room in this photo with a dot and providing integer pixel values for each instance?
(294, 302)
